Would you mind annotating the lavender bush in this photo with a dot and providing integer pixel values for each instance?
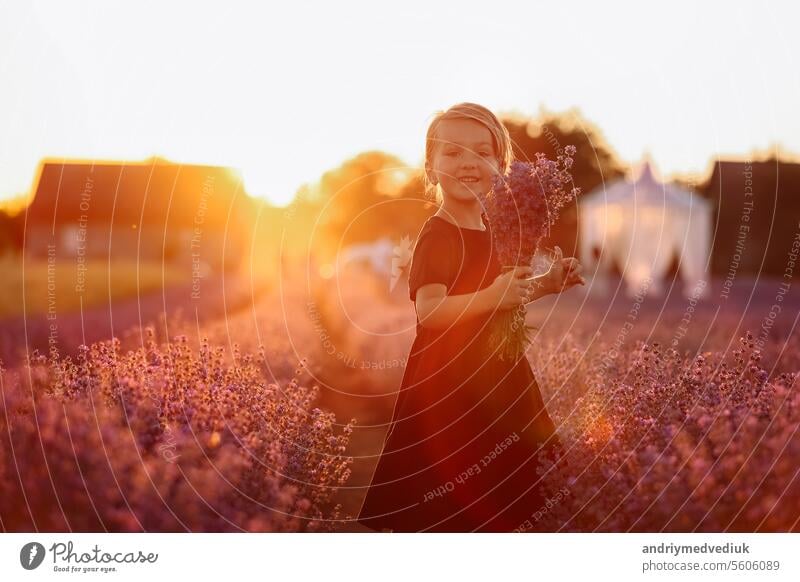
(165, 438)
(656, 441)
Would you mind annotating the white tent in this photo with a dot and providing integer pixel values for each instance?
(640, 224)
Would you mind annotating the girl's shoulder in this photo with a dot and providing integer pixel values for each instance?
(440, 231)
(433, 258)
(436, 222)
(436, 232)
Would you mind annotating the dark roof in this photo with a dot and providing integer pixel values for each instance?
(153, 192)
(769, 178)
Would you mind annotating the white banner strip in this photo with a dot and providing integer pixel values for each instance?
(387, 557)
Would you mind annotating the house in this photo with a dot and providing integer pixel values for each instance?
(757, 213)
(138, 211)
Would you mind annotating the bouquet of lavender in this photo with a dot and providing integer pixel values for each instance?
(521, 207)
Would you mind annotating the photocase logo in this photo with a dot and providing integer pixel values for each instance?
(401, 256)
(31, 555)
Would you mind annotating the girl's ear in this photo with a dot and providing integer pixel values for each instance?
(430, 175)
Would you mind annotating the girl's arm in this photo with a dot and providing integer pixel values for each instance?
(437, 310)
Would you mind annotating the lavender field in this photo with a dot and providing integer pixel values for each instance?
(676, 415)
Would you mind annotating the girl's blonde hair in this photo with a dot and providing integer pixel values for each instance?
(500, 138)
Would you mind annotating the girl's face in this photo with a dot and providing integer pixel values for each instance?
(464, 160)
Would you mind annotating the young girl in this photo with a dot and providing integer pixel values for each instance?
(461, 452)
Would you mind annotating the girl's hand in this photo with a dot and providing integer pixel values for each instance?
(511, 289)
(565, 273)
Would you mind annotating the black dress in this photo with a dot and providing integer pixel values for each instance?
(461, 452)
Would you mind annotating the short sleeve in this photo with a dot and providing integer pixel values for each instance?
(431, 262)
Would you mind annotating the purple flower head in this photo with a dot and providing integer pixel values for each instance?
(524, 203)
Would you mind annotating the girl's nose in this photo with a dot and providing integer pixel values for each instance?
(469, 160)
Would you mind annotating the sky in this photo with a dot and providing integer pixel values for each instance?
(286, 92)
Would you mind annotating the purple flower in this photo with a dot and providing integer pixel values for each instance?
(524, 203)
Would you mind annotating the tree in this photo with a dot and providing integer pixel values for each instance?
(358, 201)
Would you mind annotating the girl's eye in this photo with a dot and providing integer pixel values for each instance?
(485, 154)
(451, 154)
